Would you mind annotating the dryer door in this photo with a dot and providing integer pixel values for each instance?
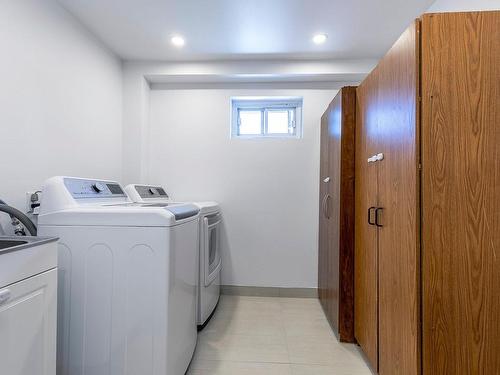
(211, 247)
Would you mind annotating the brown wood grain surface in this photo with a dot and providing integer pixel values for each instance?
(336, 258)
(346, 215)
(323, 222)
(332, 208)
(387, 289)
(461, 193)
(365, 243)
(399, 253)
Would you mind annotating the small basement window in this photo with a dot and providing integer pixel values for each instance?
(266, 117)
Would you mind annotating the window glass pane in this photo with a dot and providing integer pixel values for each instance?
(266, 117)
(250, 122)
(277, 122)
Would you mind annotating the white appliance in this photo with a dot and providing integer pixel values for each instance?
(28, 305)
(210, 258)
(127, 279)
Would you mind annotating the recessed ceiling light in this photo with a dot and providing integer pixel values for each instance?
(320, 38)
(178, 41)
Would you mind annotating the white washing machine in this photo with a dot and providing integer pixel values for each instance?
(210, 234)
(127, 279)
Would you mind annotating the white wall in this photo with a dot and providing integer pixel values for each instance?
(139, 76)
(267, 188)
(60, 99)
(463, 5)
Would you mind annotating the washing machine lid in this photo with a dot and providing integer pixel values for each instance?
(122, 215)
(81, 201)
(179, 210)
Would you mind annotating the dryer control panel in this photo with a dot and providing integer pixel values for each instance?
(80, 188)
(145, 191)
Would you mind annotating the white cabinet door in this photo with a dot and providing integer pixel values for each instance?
(28, 326)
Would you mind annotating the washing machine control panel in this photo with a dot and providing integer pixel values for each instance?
(79, 188)
(145, 191)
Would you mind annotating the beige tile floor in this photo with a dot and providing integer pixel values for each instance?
(272, 336)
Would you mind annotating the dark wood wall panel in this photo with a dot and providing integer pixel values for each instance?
(461, 193)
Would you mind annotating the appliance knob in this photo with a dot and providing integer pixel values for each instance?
(98, 187)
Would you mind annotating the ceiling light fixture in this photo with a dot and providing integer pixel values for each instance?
(320, 38)
(178, 41)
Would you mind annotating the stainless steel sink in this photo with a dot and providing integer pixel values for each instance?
(5, 244)
(14, 243)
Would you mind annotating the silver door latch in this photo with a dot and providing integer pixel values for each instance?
(377, 157)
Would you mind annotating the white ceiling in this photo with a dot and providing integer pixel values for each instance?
(246, 29)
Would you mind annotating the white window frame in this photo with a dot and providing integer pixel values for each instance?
(266, 105)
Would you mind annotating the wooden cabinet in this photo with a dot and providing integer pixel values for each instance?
(336, 217)
(366, 236)
(427, 273)
(387, 282)
(461, 193)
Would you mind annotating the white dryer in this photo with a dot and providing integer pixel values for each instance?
(127, 279)
(210, 261)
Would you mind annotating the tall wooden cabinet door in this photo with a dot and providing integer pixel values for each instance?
(398, 218)
(337, 214)
(365, 243)
(323, 221)
(461, 193)
(332, 207)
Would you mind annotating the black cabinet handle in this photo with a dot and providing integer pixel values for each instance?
(370, 215)
(377, 223)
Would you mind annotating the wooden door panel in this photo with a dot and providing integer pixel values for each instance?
(365, 242)
(323, 223)
(399, 268)
(333, 207)
(461, 193)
